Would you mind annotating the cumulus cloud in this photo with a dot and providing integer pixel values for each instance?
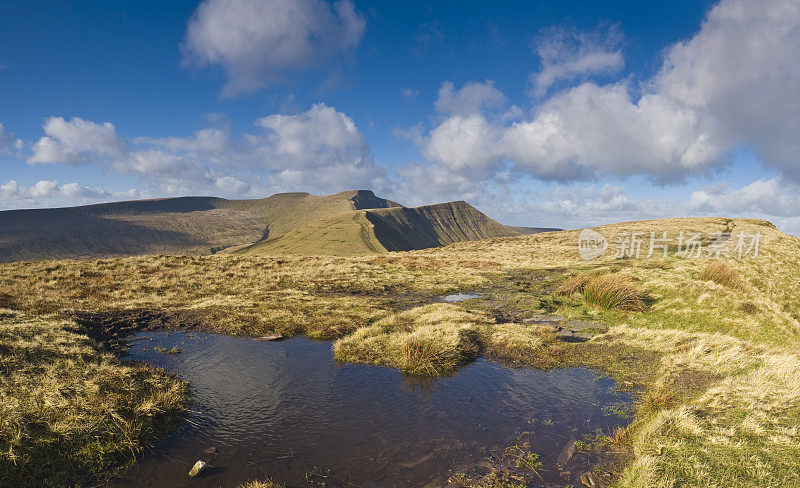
(472, 98)
(258, 43)
(423, 184)
(319, 150)
(736, 82)
(772, 197)
(567, 54)
(464, 143)
(75, 141)
(211, 140)
(51, 193)
(319, 137)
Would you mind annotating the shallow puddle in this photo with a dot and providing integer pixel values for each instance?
(287, 409)
(460, 297)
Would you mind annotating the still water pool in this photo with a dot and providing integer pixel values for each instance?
(287, 409)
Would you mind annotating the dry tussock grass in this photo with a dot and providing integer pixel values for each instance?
(67, 409)
(613, 292)
(428, 340)
(740, 431)
(574, 284)
(722, 273)
(526, 344)
(719, 382)
(261, 484)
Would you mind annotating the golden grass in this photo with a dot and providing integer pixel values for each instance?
(69, 411)
(532, 345)
(429, 340)
(722, 273)
(260, 484)
(716, 363)
(613, 292)
(573, 284)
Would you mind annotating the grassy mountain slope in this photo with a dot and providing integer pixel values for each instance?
(397, 228)
(192, 225)
(345, 224)
(285, 211)
(344, 234)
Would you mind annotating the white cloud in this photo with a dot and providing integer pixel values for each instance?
(75, 141)
(258, 43)
(320, 150)
(472, 98)
(321, 137)
(229, 185)
(736, 82)
(423, 184)
(772, 197)
(590, 131)
(464, 143)
(45, 193)
(568, 54)
(741, 76)
(211, 140)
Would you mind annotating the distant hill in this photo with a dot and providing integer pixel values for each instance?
(347, 223)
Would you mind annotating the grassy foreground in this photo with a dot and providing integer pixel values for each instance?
(712, 343)
(68, 410)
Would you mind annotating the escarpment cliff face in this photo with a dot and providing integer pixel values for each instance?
(347, 223)
(403, 229)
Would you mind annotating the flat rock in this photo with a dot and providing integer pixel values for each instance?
(540, 318)
(567, 453)
(198, 468)
(579, 325)
(271, 337)
(569, 336)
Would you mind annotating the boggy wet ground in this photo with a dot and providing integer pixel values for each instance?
(286, 410)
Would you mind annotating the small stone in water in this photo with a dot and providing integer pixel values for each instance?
(271, 337)
(198, 468)
(567, 453)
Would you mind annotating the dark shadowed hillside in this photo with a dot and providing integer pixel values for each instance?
(401, 229)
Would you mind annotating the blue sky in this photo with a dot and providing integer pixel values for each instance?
(563, 114)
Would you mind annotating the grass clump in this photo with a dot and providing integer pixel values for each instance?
(530, 345)
(723, 274)
(613, 292)
(574, 284)
(429, 340)
(69, 411)
(261, 484)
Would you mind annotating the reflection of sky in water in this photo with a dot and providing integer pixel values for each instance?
(259, 401)
(460, 297)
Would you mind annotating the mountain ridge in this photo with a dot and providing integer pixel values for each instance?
(344, 223)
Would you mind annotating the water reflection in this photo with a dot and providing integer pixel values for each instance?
(460, 297)
(284, 409)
